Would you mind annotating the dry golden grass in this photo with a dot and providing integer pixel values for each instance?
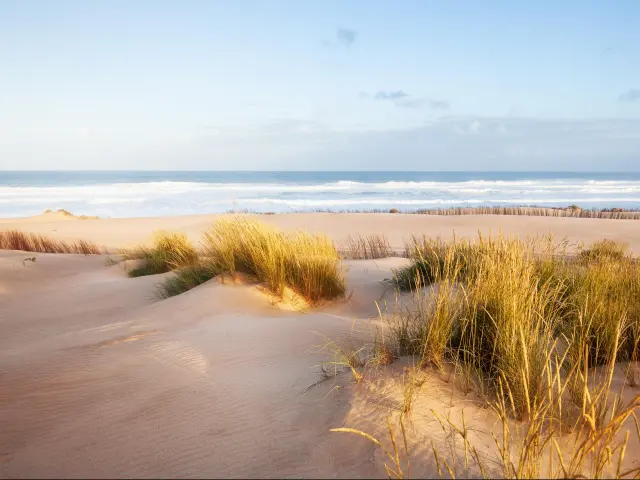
(605, 250)
(308, 264)
(31, 242)
(170, 251)
(358, 247)
(497, 299)
(538, 334)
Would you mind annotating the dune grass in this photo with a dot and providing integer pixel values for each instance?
(170, 251)
(538, 334)
(368, 247)
(307, 264)
(499, 304)
(32, 242)
(605, 250)
(187, 278)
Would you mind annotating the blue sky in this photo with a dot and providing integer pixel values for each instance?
(234, 84)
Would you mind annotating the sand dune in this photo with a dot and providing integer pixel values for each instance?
(100, 378)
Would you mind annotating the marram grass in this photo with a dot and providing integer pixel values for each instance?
(500, 303)
(187, 278)
(358, 247)
(538, 334)
(32, 242)
(170, 251)
(307, 264)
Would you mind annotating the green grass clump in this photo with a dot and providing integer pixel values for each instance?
(308, 264)
(434, 260)
(169, 252)
(187, 278)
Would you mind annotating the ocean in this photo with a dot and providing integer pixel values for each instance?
(148, 193)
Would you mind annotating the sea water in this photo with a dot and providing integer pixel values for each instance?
(148, 193)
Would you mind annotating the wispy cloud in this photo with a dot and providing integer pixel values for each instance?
(632, 95)
(400, 98)
(391, 95)
(344, 36)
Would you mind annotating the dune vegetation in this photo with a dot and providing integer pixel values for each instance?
(186, 278)
(538, 334)
(307, 264)
(543, 291)
(32, 242)
(170, 251)
(358, 247)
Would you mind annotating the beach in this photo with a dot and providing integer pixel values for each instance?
(319, 240)
(99, 377)
(126, 232)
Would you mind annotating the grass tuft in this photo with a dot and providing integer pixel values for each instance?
(358, 247)
(605, 250)
(169, 252)
(187, 278)
(498, 304)
(31, 242)
(308, 264)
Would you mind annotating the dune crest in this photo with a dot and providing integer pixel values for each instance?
(62, 214)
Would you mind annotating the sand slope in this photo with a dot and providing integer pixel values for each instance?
(100, 378)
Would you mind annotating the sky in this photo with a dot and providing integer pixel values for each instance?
(320, 85)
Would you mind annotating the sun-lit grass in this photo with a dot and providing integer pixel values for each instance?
(170, 251)
(307, 264)
(357, 247)
(605, 250)
(538, 334)
(31, 242)
(514, 302)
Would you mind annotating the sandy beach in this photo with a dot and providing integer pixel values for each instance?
(330, 240)
(126, 232)
(99, 377)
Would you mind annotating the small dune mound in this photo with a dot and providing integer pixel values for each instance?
(291, 266)
(287, 300)
(62, 214)
(307, 264)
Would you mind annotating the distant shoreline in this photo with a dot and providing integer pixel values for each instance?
(149, 194)
(572, 211)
